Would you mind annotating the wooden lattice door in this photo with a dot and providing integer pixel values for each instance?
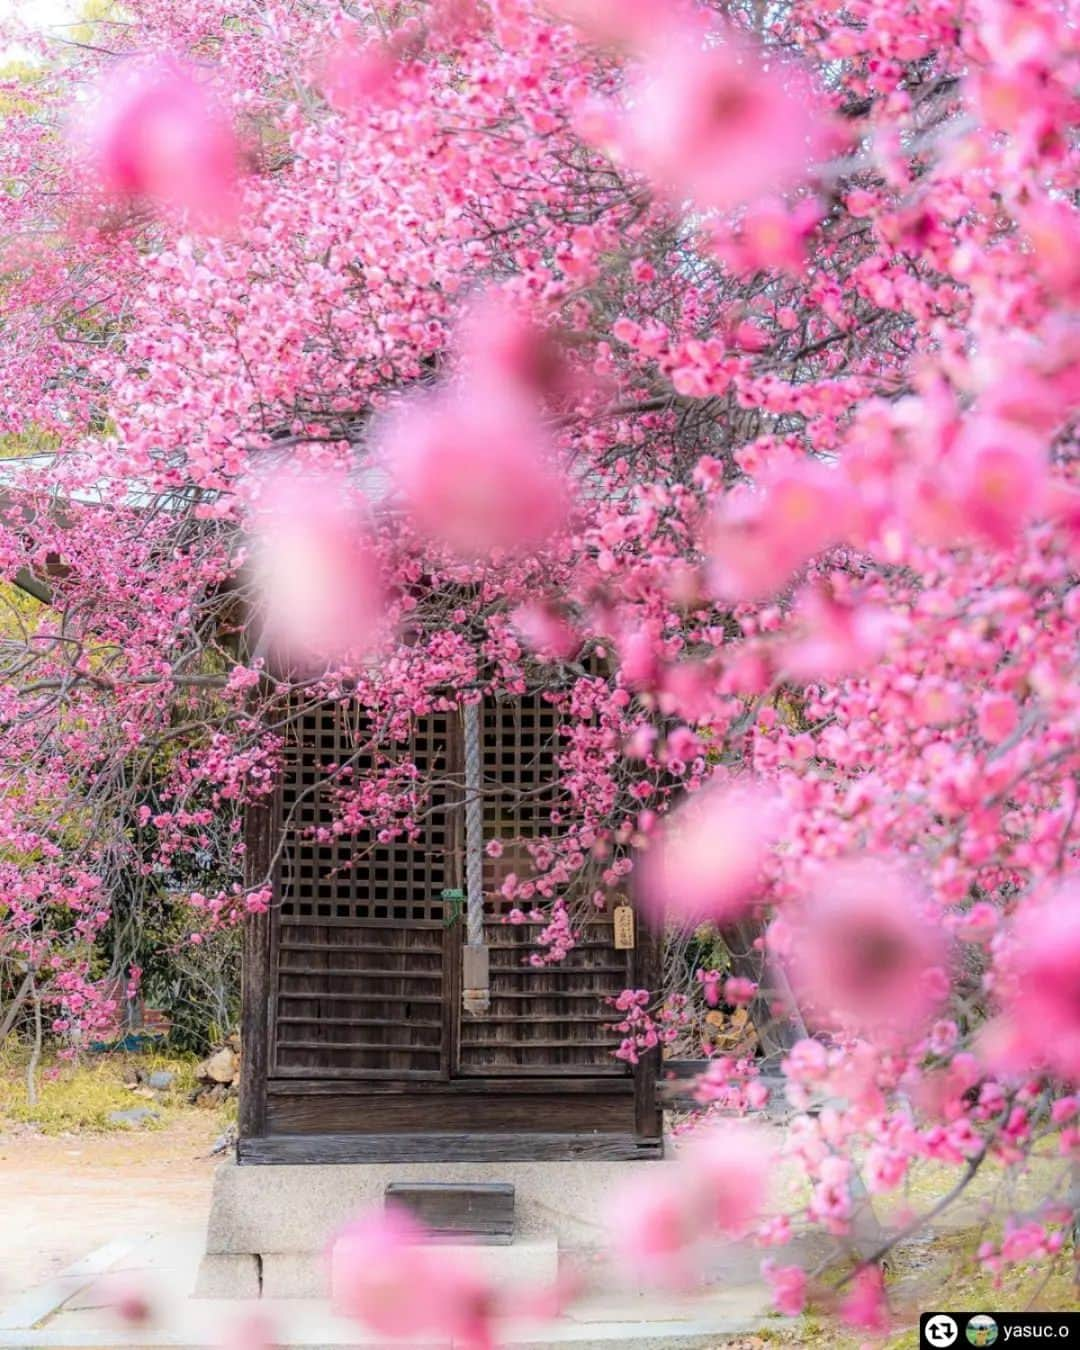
(366, 944)
(542, 1019)
(363, 957)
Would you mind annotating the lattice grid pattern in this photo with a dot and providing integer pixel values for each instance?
(520, 784)
(348, 879)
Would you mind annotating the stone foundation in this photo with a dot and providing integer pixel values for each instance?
(271, 1228)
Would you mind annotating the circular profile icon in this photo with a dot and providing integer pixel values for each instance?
(941, 1330)
(981, 1330)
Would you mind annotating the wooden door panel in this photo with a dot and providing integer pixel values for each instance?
(559, 1017)
(361, 936)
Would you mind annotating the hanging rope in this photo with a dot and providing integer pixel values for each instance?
(476, 979)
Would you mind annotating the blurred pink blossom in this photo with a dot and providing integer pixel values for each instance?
(729, 1168)
(545, 631)
(502, 347)
(758, 538)
(788, 1284)
(999, 717)
(249, 1331)
(711, 118)
(478, 474)
(999, 471)
(862, 948)
(865, 1305)
(654, 1231)
(156, 133)
(662, 1223)
(356, 74)
(383, 1275)
(706, 863)
(1040, 979)
(623, 23)
(839, 638)
(128, 1298)
(315, 569)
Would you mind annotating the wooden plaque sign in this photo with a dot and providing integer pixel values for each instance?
(623, 922)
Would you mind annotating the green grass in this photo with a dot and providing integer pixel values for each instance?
(78, 1095)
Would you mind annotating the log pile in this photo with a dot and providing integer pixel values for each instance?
(218, 1076)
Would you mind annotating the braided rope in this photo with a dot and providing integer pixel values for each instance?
(474, 830)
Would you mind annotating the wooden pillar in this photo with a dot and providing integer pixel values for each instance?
(261, 825)
(648, 971)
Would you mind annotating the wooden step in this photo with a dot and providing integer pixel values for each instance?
(478, 1211)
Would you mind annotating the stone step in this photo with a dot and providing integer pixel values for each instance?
(480, 1210)
(292, 1275)
(525, 1264)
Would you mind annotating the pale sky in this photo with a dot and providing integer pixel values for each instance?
(37, 14)
(40, 13)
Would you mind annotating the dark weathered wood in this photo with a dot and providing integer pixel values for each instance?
(529, 1085)
(458, 1210)
(361, 972)
(260, 834)
(648, 1115)
(414, 1112)
(350, 1148)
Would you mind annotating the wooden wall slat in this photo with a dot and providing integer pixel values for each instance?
(432, 1146)
(501, 1110)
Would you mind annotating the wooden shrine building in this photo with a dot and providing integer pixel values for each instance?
(390, 1013)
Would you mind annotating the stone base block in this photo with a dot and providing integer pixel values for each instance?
(295, 1275)
(287, 1208)
(273, 1225)
(228, 1275)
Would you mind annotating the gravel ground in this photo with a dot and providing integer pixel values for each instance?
(61, 1196)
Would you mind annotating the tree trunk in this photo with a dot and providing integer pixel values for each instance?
(35, 1054)
(14, 1006)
